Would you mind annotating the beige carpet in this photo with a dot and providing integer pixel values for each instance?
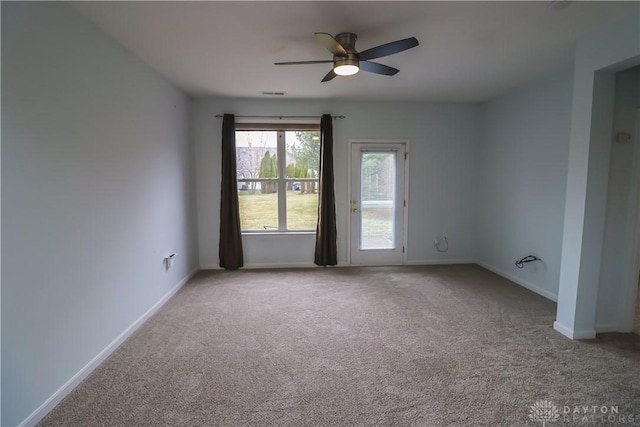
(426, 346)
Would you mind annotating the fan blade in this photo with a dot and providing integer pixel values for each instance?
(374, 67)
(388, 49)
(328, 61)
(330, 76)
(330, 43)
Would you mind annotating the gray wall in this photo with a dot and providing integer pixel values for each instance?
(96, 190)
(443, 144)
(522, 181)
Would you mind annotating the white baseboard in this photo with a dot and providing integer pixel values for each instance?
(574, 335)
(83, 373)
(563, 329)
(538, 290)
(250, 266)
(441, 262)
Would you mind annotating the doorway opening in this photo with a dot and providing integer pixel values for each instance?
(631, 299)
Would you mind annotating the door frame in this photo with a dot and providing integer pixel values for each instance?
(380, 141)
(632, 274)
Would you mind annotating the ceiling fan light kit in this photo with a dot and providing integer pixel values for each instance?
(346, 66)
(347, 61)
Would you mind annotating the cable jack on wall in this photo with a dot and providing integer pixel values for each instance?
(438, 244)
(529, 258)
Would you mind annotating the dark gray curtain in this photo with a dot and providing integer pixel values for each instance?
(230, 235)
(326, 231)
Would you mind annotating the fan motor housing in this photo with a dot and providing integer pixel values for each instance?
(350, 59)
(348, 41)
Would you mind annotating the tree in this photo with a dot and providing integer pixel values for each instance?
(249, 157)
(306, 155)
(377, 176)
(268, 169)
(291, 172)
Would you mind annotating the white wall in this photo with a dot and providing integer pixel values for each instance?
(618, 225)
(96, 189)
(443, 143)
(522, 181)
(598, 57)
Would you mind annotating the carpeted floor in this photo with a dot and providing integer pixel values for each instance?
(426, 346)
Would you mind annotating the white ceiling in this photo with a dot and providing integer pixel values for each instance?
(469, 51)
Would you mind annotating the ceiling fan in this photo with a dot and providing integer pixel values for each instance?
(347, 61)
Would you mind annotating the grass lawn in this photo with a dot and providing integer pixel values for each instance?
(260, 210)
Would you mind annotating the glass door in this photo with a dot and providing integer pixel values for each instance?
(377, 203)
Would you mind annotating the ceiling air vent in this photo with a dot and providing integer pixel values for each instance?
(559, 4)
(272, 93)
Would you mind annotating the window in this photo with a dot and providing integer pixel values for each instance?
(277, 169)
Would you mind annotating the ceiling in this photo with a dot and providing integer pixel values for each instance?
(468, 52)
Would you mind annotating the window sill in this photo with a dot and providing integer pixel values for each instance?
(278, 233)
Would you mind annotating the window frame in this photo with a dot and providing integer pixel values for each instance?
(281, 180)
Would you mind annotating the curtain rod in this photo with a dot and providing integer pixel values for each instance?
(280, 117)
